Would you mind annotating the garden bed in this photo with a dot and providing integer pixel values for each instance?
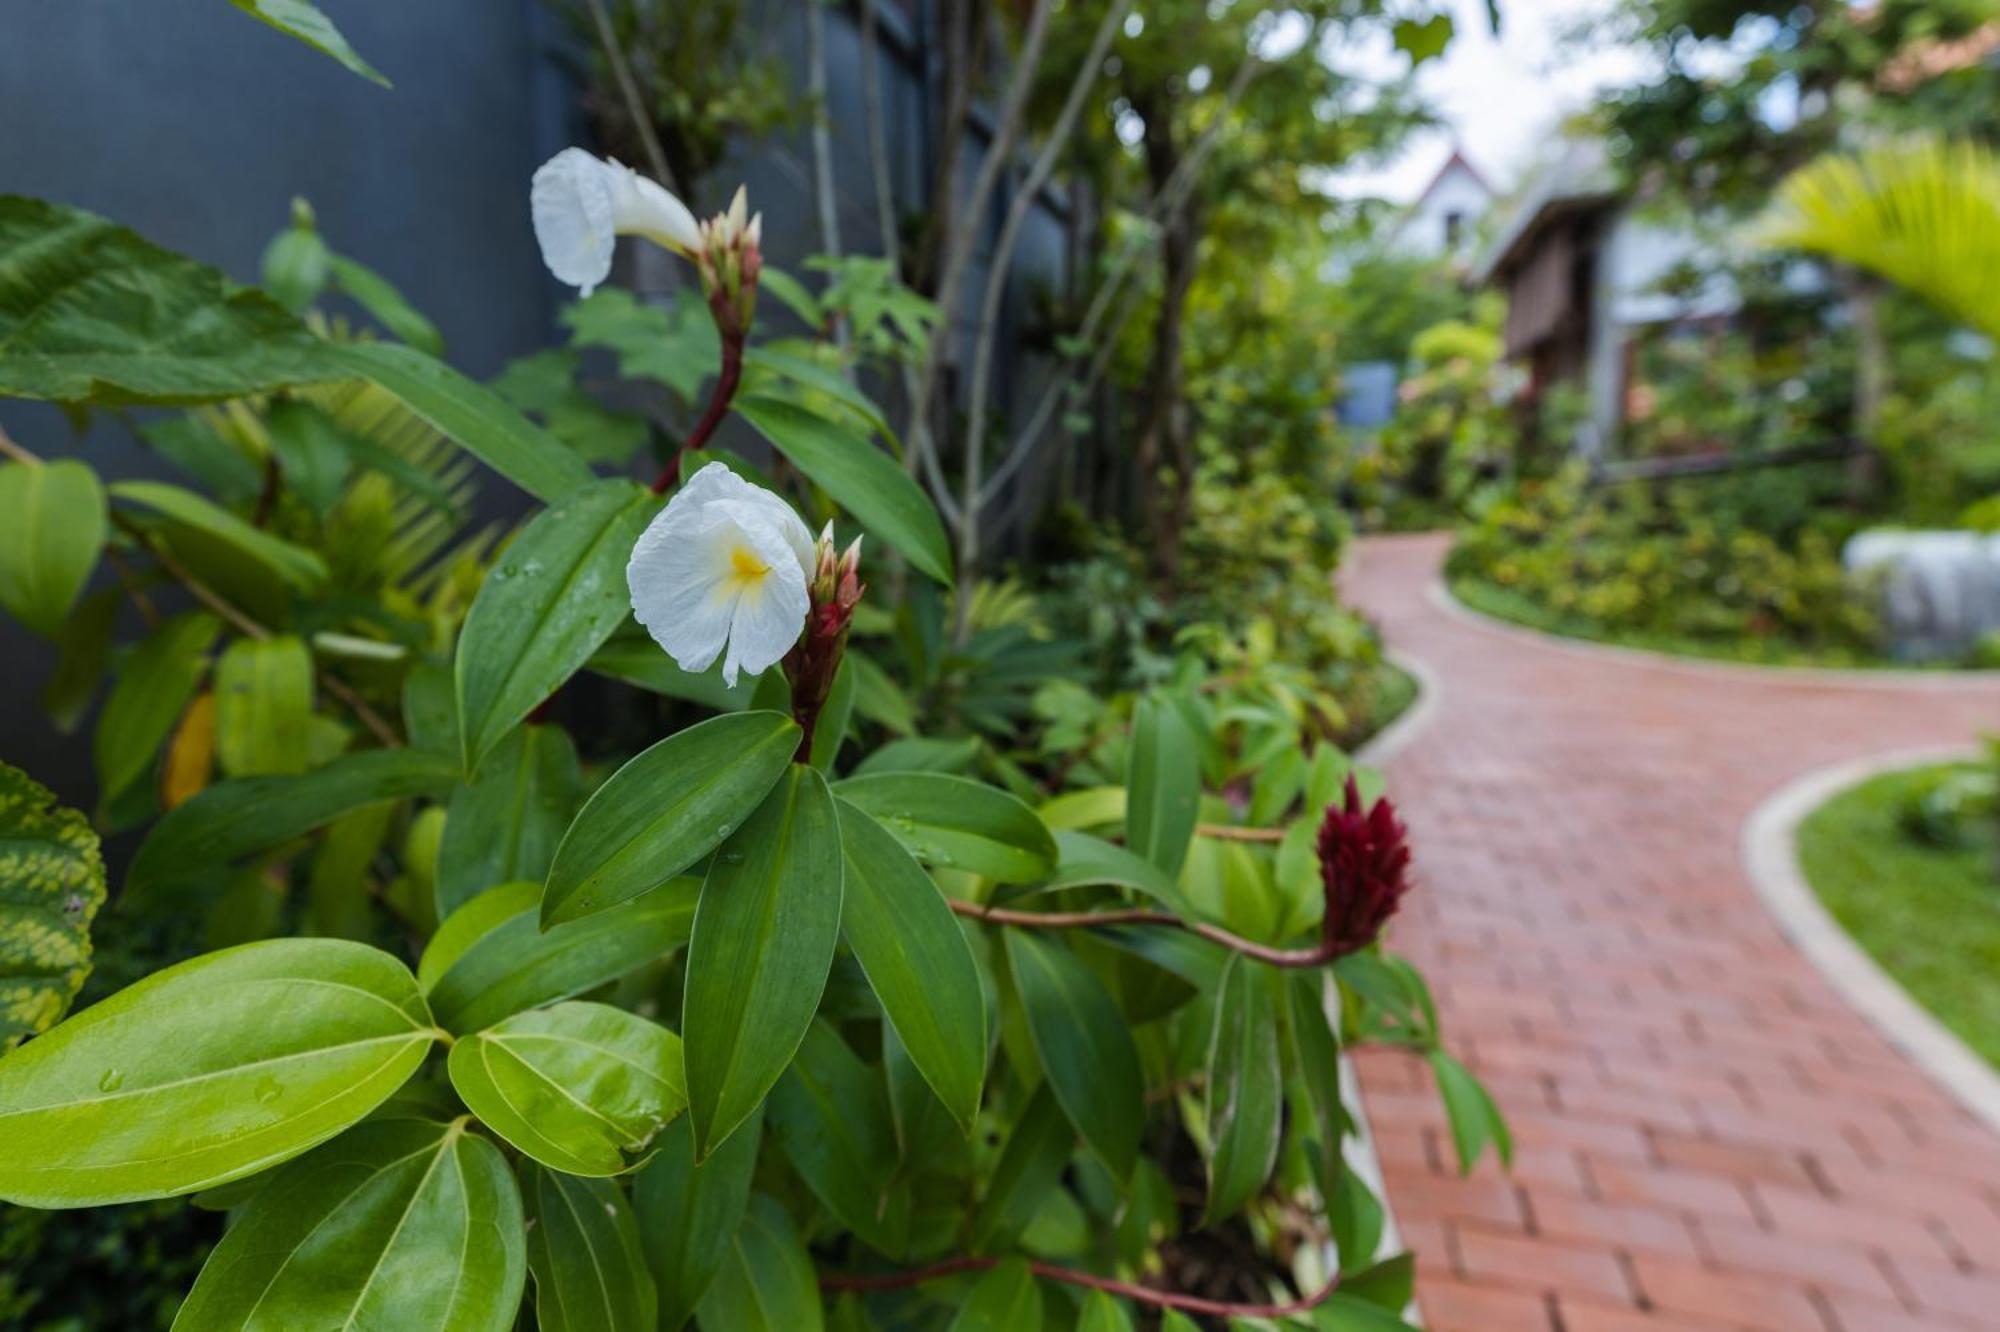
(1927, 911)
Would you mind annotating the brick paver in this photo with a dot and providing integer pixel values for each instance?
(1710, 1140)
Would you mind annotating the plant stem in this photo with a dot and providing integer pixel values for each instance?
(635, 106)
(1317, 956)
(1128, 1290)
(726, 381)
(1229, 832)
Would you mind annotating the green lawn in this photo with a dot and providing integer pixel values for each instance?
(1505, 604)
(1929, 915)
(1391, 691)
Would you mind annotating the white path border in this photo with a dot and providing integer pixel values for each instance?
(1770, 855)
(1439, 595)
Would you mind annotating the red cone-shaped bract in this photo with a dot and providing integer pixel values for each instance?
(1364, 862)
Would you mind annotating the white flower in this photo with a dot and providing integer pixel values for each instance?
(582, 203)
(725, 563)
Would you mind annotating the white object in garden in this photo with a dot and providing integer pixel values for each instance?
(1939, 591)
(581, 204)
(724, 565)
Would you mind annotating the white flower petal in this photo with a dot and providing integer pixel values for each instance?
(716, 481)
(571, 202)
(645, 208)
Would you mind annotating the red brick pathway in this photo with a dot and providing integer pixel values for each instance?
(1709, 1139)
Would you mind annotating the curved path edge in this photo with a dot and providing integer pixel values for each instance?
(1440, 596)
(1770, 856)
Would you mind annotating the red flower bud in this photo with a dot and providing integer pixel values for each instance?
(1364, 861)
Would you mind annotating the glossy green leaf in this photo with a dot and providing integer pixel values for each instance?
(1348, 1313)
(1085, 1048)
(1475, 1120)
(583, 1248)
(920, 754)
(861, 478)
(51, 885)
(400, 1223)
(766, 1282)
(556, 593)
(379, 297)
(666, 809)
(311, 451)
(829, 1114)
(810, 374)
(263, 706)
(1244, 1091)
(1102, 1313)
(298, 567)
(763, 943)
(638, 660)
(490, 958)
(1315, 1073)
(52, 525)
(1031, 1164)
(959, 823)
(1163, 777)
(1083, 860)
(504, 825)
(689, 1214)
(471, 414)
(303, 20)
(250, 814)
(582, 1088)
(1357, 1219)
(830, 733)
(154, 686)
(339, 893)
(212, 1069)
(90, 312)
(916, 959)
(1006, 1299)
(879, 698)
(1390, 1284)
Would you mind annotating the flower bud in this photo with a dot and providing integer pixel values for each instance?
(1364, 861)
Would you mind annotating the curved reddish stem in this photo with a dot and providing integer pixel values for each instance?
(1317, 956)
(1159, 1299)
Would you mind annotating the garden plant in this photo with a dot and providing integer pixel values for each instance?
(887, 984)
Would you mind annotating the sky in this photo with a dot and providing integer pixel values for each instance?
(1501, 98)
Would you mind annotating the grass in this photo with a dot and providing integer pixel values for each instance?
(1518, 608)
(1391, 692)
(1928, 914)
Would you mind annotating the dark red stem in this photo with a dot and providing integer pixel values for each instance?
(718, 401)
(1159, 1299)
(1317, 956)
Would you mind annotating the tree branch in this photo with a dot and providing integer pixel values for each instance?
(1158, 1299)
(635, 106)
(1298, 958)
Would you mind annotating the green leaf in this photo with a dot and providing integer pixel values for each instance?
(51, 885)
(1083, 860)
(1475, 1119)
(296, 566)
(556, 594)
(250, 814)
(582, 1088)
(689, 1214)
(490, 959)
(583, 1247)
(153, 688)
(404, 1223)
(83, 646)
(812, 375)
(1032, 1163)
(834, 715)
(430, 710)
(879, 698)
(473, 415)
(763, 943)
(1357, 1219)
(638, 660)
(379, 297)
(311, 451)
(1244, 1094)
(1085, 1048)
(1390, 1284)
(1315, 1062)
(505, 824)
(303, 20)
(957, 822)
(861, 478)
(339, 900)
(91, 312)
(1006, 1299)
(1423, 39)
(766, 1282)
(674, 343)
(920, 754)
(1346, 1313)
(830, 1116)
(545, 384)
(917, 961)
(793, 295)
(666, 809)
(1163, 776)
(1101, 1313)
(52, 522)
(295, 264)
(210, 1070)
(263, 706)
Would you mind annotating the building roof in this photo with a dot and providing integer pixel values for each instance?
(1579, 180)
(1457, 159)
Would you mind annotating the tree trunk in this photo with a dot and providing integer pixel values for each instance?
(1163, 433)
(1871, 385)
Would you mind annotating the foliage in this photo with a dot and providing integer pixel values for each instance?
(1669, 565)
(801, 992)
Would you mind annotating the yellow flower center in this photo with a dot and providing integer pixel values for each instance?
(745, 569)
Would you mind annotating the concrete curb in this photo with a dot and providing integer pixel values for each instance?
(1770, 856)
(1439, 595)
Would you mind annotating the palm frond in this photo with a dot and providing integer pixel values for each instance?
(1922, 212)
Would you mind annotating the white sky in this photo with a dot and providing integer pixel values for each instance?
(1502, 98)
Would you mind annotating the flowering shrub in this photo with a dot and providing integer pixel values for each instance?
(798, 1015)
